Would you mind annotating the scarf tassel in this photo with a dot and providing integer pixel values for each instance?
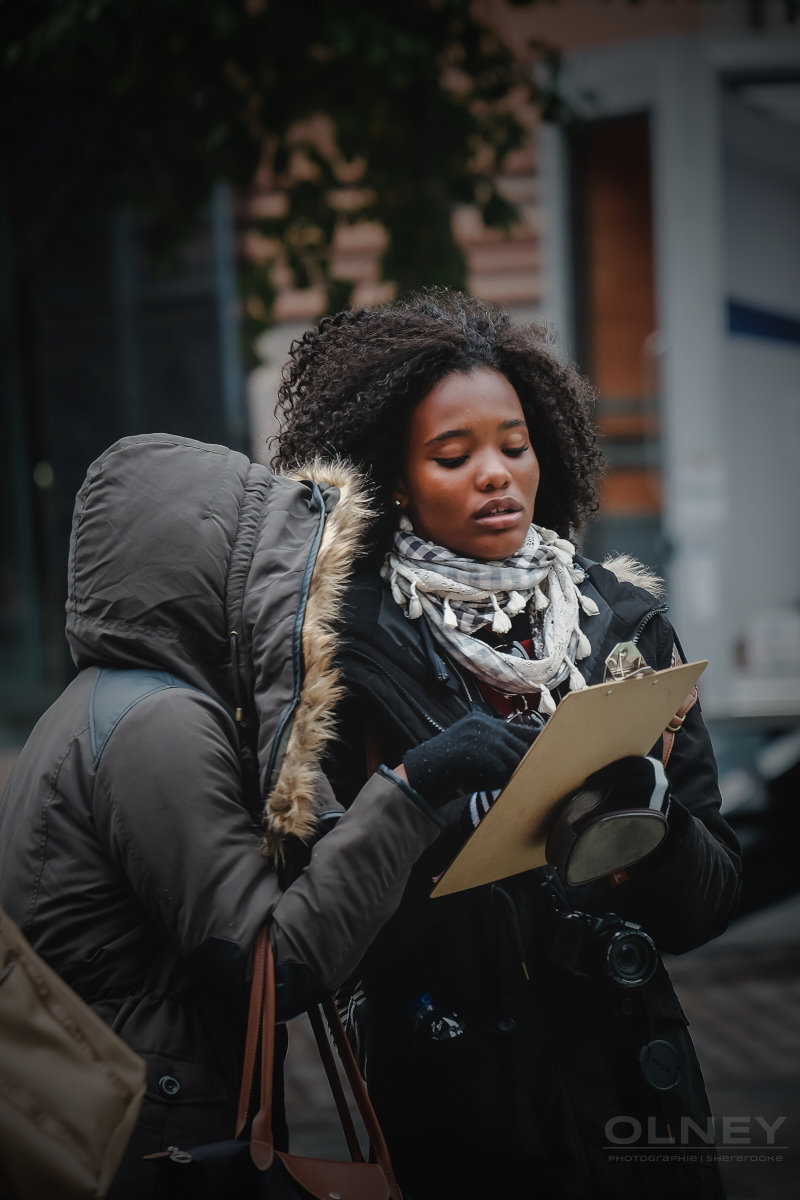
(500, 622)
(539, 599)
(397, 594)
(576, 680)
(546, 704)
(588, 605)
(449, 617)
(516, 604)
(414, 604)
(584, 646)
(562, 554)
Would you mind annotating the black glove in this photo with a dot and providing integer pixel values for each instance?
(631, 782)
(477, 752)
(615, 818)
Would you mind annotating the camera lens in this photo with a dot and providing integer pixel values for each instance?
(630, 957)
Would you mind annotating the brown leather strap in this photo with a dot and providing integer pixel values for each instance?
(261, 1032)
(360, 1094)
(254, 1027)
(676, 724)
(262, 1121)
(335, 1084)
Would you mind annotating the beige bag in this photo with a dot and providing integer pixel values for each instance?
(70, 1088)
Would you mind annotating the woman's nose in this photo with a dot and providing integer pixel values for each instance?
(492, 473)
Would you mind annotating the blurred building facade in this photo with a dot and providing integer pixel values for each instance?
(703, 132)
(658, 235)
(94, 347)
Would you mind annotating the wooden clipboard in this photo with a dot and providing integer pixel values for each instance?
(589, 729)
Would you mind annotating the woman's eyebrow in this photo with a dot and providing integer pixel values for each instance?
(448, 433)
(454, 433)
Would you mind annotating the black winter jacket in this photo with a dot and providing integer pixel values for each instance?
(543, 1092)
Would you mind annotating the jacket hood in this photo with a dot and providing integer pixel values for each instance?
(189, 558)
(630, 570)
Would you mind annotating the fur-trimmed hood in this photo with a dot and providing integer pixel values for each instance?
(348, 514)
(629, 570)
(187, 557)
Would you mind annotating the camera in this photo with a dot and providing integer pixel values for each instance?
(603, 946)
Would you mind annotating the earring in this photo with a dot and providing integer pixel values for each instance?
(397, 503)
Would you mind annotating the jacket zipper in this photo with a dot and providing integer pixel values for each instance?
(646, 619)
(297, 639)
(472, 701)
(404, 692)
(442, 667)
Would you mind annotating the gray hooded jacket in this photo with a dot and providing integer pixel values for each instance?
(133, 836)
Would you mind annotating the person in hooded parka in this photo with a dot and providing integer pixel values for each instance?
(170, 802)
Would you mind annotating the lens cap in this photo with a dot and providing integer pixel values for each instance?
(661, 1065)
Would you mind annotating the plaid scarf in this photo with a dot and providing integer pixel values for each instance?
(460, 596)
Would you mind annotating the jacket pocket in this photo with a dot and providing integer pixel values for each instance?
(186, 1103)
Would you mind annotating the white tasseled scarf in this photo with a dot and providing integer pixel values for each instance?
(458, 596)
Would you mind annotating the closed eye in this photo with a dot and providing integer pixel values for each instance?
(515, 451)
(451, 463)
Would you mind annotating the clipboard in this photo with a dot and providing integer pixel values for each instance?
(589, 729)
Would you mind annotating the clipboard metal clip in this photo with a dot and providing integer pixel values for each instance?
(625, 661)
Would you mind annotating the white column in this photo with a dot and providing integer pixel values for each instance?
(687, 179)
(557, 305)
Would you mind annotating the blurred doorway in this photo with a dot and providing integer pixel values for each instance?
(615, 325)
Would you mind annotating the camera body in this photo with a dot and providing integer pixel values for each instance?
(603, 947)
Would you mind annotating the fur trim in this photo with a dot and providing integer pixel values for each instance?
(629, 570)
(292, 802)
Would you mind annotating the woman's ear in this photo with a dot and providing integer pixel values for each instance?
(399, 495)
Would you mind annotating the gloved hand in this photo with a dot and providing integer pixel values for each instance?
(477, 752)
(631, 782)
(615, 818)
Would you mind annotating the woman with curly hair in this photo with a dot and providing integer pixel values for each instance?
(502, 1056)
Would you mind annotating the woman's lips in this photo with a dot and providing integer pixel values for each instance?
(500, 521)
(499, 515)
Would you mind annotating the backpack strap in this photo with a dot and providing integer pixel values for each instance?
(115, 692)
